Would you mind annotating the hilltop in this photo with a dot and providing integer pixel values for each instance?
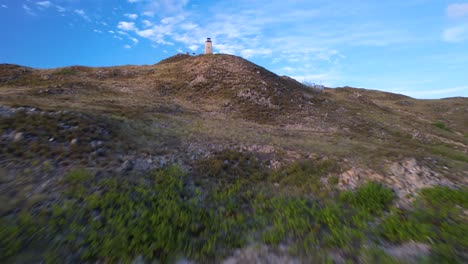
(229, 133)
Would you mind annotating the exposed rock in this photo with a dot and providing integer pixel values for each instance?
(406, 178)
(409, 252)
(353, 177)
(126, 166)
(274, 164)
(139, 260)
(18, 136)
(259, 255)
(265, 149)
(96, 143)
(6, 111)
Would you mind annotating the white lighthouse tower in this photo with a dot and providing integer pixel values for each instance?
(208, 46)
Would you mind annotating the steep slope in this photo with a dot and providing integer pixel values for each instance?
(224, 82)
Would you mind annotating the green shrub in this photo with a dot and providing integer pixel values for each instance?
(377, 255)
(16, 235)
(229, 166)
(444, 197)
(441, 126)
(65, 71)
(372, 197)
(397, 228)
(305, 175)
(333, 180)
(77, 176)
(437, 218)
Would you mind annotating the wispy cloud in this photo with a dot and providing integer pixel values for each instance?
(82, 14)
(147, 23)
(60, 9)
(131, 16)
(127, 46)
(135, 40)
(4, 6)
(45, 4)
(28, 10)
(456, 34)
(457, 10)
(127, 26)
(153, 7)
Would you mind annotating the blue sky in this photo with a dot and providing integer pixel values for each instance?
(413, 47)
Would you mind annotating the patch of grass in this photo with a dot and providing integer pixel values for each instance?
(333, 180)
(437, 218)
(119, 220)
(230, 166)
(77, 176)
(164, 215)
(449, 152)
(442, 126)
(304, 176)
(311, 223)
(376, 255)
(65, 71)
(49, 135)
(17, 235)
(372, 197)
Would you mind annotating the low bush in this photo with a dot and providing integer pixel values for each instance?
(371, 197)
(304, 176)
(441, 126)
(437, 218)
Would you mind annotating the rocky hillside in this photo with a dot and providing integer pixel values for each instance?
(222, 135)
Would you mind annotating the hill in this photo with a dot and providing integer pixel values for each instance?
(219, 134)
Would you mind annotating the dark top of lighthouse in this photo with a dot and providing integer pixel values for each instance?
(208, 39)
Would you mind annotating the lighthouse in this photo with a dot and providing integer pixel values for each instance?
(208, 46)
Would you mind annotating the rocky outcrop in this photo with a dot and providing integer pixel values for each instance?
(406, 178)
(260, 254)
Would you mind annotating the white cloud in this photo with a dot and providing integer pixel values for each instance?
(60, 8)
(188, 26)
(193, 47)
(172, 20)
(97, 31)
(456, 34)
(147, 23)
(127, 46)
(457, 10)
(44, 3)
(164, 6)
(127, 26)
(135, 41)
(28, 10)
(326, 79)
(148, 13)
(111, 31)
(133, 1)
(247, 53)
(82, 14)
(4, 6)
(131, 16)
